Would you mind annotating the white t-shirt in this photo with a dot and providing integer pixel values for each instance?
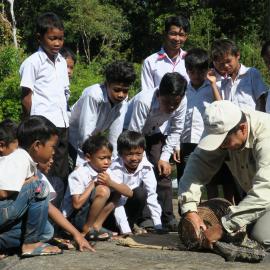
(15, 168)
(42, 177)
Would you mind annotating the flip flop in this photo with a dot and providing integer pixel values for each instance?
(40, 251)
(109, 232)
(94, 235)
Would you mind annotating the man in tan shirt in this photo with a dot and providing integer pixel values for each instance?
(241, 138)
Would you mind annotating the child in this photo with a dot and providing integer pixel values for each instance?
(101, 107)
(24, 201)
(8, 137)
(200, 93)
(171, 57)
(44, 82)
(265, 54)
(241, 85)
(70, 59)
(133, 168)
(85, 202)
(147, 112)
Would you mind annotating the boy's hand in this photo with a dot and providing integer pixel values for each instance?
(104, 179)
(83, 244)
(176, 156)
(211, 76)
(164, 168)
(196, 219)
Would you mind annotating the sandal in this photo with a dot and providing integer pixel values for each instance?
(138, 230)
(62, 243)
(40, 251)
(94, 235)
(109, 232)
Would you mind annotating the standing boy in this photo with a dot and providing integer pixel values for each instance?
(101, 107)
(171, 57)
(147, 112)
(241, 85)
(44, 81)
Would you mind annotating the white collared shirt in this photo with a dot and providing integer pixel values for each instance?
(197, 101)
(48, 82)
(78, 181)
(94, 113)
(144, 116)
(246, 89)
(157, 65)
(144, 175)
(15, 168)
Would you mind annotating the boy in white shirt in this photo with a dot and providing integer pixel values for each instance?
(89, 187)
(101, 107)
(147, 112)
(133, 168)
(44, 82)
(241, 85)
(170, 58)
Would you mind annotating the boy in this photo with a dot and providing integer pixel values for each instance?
(101, 107)
(24, 200)
(147, 112)
(201, 91)
(85, 203)
(44, 82)
(133, 168)
(265, 54)
(171, 57)
(241, 85)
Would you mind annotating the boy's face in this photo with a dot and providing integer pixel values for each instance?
(175, 38)
(117, 92)
(6, 149)
(132, 158)
(52, 41)
(45, 167)
(197, 77)
(228, 64)
(70, 66)
(168, 104)
(43, 152)
(101, 160)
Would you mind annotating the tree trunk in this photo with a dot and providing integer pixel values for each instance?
(14, 29)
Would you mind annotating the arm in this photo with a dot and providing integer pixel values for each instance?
(26, 98)
(4, 194)
(104, 178)
(78, 200)
(61, 221)
(213, 81)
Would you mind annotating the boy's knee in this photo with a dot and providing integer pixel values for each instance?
(139, 194)
(102, 191)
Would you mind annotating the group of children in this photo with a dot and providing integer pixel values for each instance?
(118, 181)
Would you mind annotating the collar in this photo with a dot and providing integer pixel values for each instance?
(162, 54)
(242, 70)
(44, 57)
(250, 137)
(92, 171)
(206, 83)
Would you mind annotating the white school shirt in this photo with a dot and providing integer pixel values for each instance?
(15, 168)
(197, 101)
(267, 105)
(144, 116)
(246, 89)
(48, 82)
(94, 113)
(144, 175)
(157, 65)
(43, 177)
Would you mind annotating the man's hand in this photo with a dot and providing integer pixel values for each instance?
(83, 245)
(196, 220)
(212, 235)
(164, 168)
(176, 156)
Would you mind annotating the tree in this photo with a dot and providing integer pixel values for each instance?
(14, 29)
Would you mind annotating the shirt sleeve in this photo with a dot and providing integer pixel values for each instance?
(175, 130)
(258, 85)
(75, 182)
(150, 183)
(201, 167)
(28, 75)
(257, 200)
(116, 175)
(147, 79)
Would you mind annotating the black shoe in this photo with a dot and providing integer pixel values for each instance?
(146, 224)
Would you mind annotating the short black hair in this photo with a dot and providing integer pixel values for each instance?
(48, 21)
(237, 127)
(130, 139)
(172, 84)
(265, 48)
(120, 72)
(35, 128)
(66, 52)
(221, 47)
(179, 21)
(94, 143)
(8, 131)
(197, 59)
